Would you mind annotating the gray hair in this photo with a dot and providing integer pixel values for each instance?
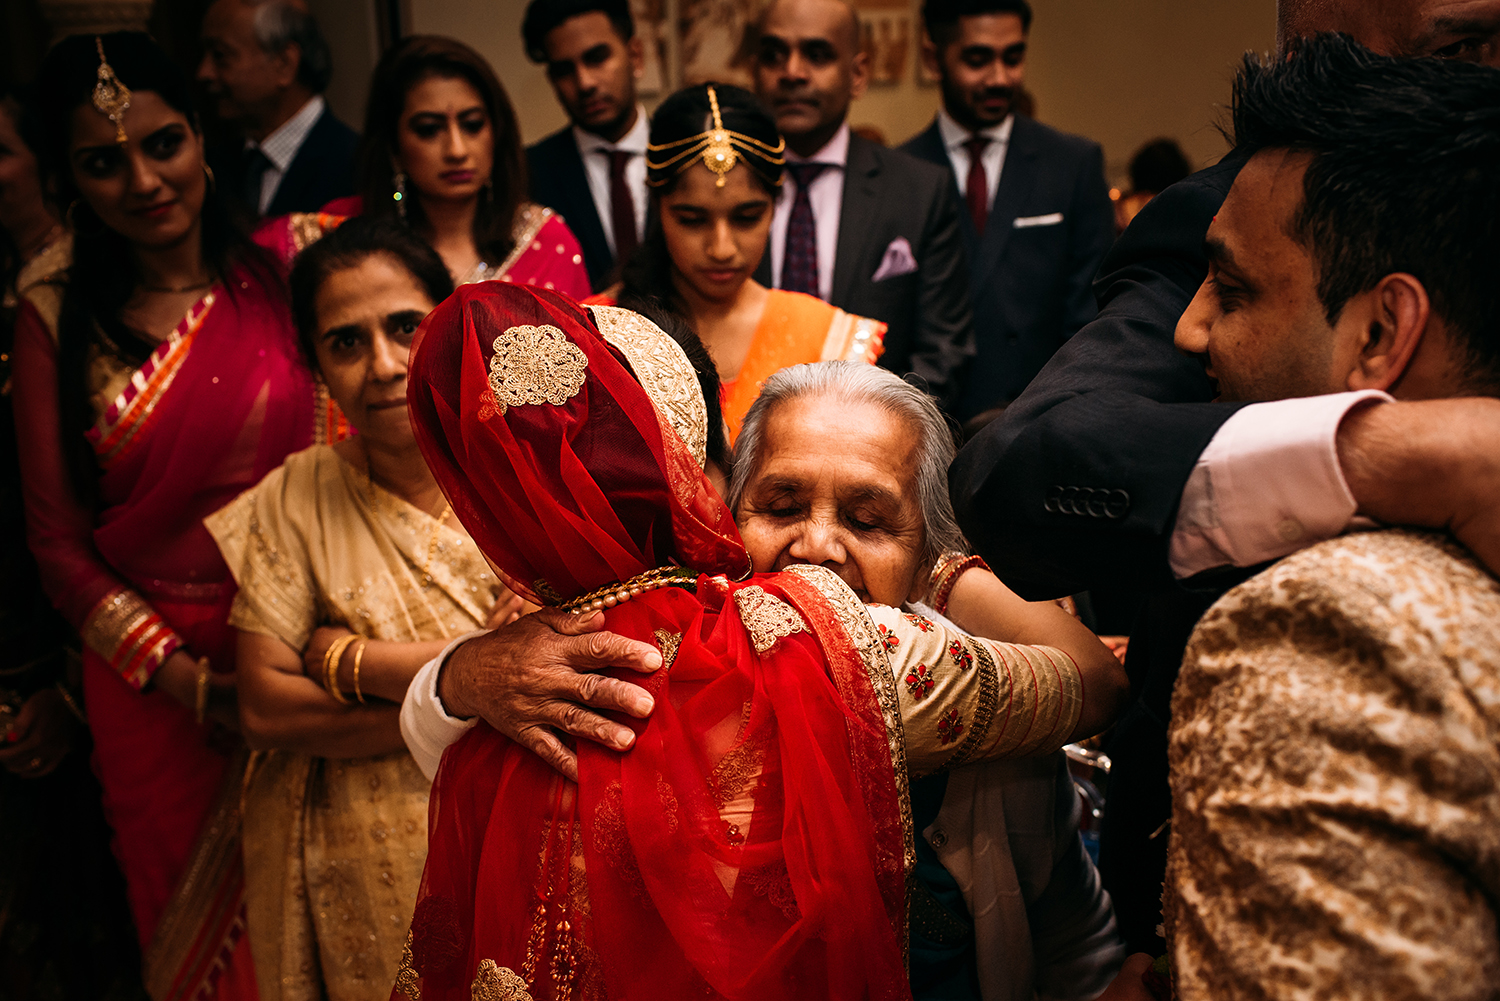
(278, 24)
(856, 382)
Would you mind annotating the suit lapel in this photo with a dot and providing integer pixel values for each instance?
(858, 215)
(1017, 178)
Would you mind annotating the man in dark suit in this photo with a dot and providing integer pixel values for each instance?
(592, 173)
(1038, 220)
(1118, 467)
(871, 230)
(266, 64)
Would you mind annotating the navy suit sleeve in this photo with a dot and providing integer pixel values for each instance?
(1077, 484)
(1093, 231)
(944, 338)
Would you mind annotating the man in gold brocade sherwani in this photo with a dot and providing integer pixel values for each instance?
(1334, 752)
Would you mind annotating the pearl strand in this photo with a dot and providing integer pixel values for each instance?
(615, 594)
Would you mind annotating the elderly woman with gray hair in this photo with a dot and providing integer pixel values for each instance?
(844, 466)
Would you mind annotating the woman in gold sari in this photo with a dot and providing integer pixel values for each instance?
(715, 163)
(352, 575)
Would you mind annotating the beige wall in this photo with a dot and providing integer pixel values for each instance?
(1119, 71)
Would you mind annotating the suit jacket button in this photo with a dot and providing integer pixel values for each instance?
(938, 839)
(1118, 506)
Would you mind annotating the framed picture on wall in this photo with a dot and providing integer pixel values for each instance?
(886, 35)
(715, 40)
(651, 28)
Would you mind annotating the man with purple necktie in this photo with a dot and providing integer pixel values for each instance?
(865, 228)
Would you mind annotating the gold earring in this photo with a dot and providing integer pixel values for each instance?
(213, 183)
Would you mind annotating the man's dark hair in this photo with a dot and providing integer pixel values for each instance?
(1404, 176)
(941, 16)
(544, 15)
(1158, 165)
(347, 247)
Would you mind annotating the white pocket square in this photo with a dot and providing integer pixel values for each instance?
(1050, 219)
(898, 261)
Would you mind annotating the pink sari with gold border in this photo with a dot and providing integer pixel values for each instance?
(219, 403)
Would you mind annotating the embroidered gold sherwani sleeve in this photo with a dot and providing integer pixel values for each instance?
(1336, 781)
(965, 699)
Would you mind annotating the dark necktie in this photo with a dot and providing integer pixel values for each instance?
(977, 190)
(621, 204)
(799, 266)
(256, 163)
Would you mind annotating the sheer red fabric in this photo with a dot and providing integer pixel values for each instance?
(751, 844)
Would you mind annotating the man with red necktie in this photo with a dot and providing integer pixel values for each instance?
(1038, 219)
(592, 173)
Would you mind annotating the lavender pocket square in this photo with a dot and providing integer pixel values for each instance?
(898, 261)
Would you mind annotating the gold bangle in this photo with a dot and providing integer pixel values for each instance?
(359, 655)
(331, 660)
(200, 702)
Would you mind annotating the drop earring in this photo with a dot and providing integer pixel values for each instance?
(399, 195)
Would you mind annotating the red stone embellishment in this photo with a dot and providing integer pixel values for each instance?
(733, 835)
(888, 639)
(919, 682)
(920, 621)
(950, 727)
(962, 658)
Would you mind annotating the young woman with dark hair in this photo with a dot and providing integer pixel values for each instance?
(442, 153)
(156, 377)
(353, 573)
(715, 164)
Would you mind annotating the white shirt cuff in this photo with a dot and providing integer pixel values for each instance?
(1268, 485)
(425, 725)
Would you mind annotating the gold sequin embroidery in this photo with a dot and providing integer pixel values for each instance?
(535, 365)
(768, 619)
(493, 982)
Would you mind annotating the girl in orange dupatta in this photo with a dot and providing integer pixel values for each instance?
(156, 376)
(716, 161)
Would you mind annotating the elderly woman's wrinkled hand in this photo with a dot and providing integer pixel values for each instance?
(537, 676)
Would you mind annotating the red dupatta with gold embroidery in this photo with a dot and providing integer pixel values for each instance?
(752, 843)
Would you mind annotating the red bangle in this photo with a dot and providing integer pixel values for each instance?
(951, 574)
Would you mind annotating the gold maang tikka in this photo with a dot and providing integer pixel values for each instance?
(111, 97)
(717, 147)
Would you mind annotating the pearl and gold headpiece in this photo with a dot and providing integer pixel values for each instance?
(111, 97)
(720, 149)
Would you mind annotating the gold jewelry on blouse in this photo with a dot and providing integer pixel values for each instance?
(720, 149)
(111, 97)
(613, 594)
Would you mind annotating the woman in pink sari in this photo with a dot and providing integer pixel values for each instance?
(442, 152)
(156, 377)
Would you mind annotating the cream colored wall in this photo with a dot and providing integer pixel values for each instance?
(1119, 71)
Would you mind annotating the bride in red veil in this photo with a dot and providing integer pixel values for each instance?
(751, 844)
(756, 841)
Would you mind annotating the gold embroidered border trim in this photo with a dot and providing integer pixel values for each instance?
(532, 219)
(663, 370)
(983, 717)
(861, 631)
(128, 632)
